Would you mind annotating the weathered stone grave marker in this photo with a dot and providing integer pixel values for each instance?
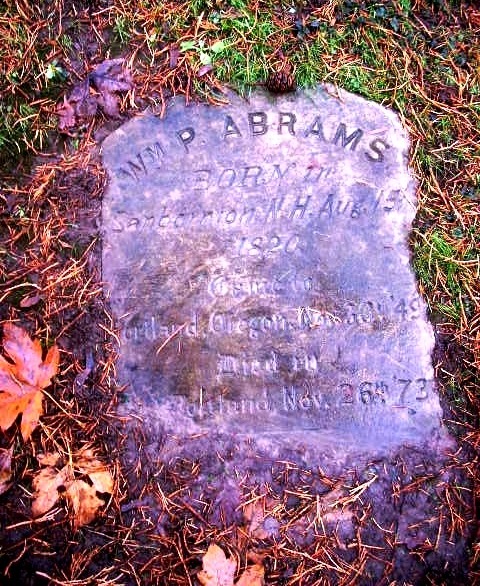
(257, 264)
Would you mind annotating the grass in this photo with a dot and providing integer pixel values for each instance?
(447, 272)
(420, 58)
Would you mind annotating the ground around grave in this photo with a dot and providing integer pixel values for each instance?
(401, 520)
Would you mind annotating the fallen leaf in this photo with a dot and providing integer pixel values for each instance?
(48, 459)
(205, 58)
(252, 576)
(218, 46)
(66, 115)
(98, 89)
(84, 501)
(204, 69)
(97, 471)
(259, 524)
(30, 301)
(81, 495)
(218, 570)
(255, 516)
(110, 76)
(84, 103)
(173, 56)
(22, 381)
(5, 469)
(109, 104)
(46, 484)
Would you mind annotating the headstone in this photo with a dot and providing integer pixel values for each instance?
(257, 263)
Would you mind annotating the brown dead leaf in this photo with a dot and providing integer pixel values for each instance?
(260, 524)
(252, 576)
(46, 484)
(30, 301)
(110, 78)
(81, 495)
(255, 515)
(97, 471)
(84, 501)
(99, 89)
(66, 115)
(5, 469)
(22, 381)
(48, 459)
(109, 104)
(218, 570)
(83, 102)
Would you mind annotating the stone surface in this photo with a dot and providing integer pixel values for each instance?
(257, 264)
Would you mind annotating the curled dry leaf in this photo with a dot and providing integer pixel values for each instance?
(204, 69)
(84, 501)
(48, 459)
(46, 484)
(218, 570)
(111, 76)
(82, 496)
(30, 301)
(99, 89)
(22, 380)
(259, 524)
(5, 468)
(66, 114)
(253, 576)
(97, 471)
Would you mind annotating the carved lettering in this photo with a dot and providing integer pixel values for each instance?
(227, 178)
(251, 177)
(230, 128)
(378, 148)
(315, 129)
(341, 135)
(279, 174)
(202, 179)
(274, 209)
(300, 207)
(287, 120)
(154, 152)
(256, 261)
(257, 122)
(186, 136)
(137, 167)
